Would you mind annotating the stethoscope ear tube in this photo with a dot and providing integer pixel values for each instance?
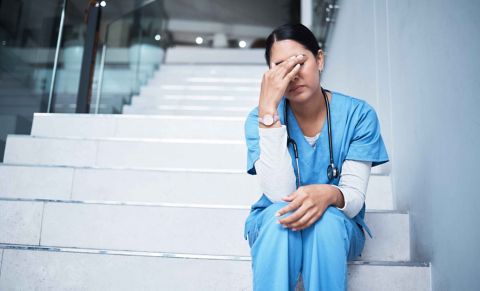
(332, 171)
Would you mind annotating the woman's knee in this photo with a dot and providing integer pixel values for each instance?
(331, 222)
(267, 223)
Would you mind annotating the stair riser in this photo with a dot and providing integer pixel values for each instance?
(203, 71)
(191, 101)
(247, 92)
(216, 231)
(162, 79)
(31, 270)
(113, 153)
(108, 126)
(150, 186)
(116, 153)
(188, 110)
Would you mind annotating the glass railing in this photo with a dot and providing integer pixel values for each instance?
(133, 49)
(42, 48)
(128, 50)
(323, 18)
(28, 37)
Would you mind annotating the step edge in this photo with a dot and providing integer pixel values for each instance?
(138, 116)
(141, 140)
(165, 204)
(156, 169)
(159, 169)
(185, 255)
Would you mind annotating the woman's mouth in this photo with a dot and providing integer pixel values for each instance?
(297, 88)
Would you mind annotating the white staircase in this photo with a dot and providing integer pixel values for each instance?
(158, 200)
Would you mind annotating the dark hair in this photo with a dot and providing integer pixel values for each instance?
(297, 32)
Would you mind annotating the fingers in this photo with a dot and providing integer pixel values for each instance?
(290, 197)
(287, 66)
(294, 217)
(293, 72)
(290, 207)
(311, 221)
(302, 222)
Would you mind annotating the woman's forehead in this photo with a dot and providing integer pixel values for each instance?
(283, 49)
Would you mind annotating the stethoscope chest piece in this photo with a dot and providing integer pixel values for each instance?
(332, 172)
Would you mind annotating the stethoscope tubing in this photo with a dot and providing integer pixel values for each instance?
(331, 170)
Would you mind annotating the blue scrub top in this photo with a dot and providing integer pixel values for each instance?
(355, 136)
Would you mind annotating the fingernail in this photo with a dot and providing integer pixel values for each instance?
(300, 56)
(277, 214)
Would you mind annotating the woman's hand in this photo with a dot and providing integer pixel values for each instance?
(274, 83)
(308, 204)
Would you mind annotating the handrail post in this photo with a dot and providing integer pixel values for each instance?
(88, 59)
(55, 62)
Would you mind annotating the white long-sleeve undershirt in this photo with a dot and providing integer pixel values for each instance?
(277, 178)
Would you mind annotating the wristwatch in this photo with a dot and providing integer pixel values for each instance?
(268, 119)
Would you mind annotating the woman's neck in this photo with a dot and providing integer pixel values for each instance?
(311, 114)
(311, 109)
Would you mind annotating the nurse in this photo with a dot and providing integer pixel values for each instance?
(306, 223)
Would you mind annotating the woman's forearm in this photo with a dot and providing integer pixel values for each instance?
(277, 178)
(274, 167)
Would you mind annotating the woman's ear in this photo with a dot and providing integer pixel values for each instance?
(320, 60)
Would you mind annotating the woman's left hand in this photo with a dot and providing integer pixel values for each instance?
(308, 203)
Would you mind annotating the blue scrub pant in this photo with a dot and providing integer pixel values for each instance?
(319, 252)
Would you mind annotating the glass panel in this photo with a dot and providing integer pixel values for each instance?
(132, 51)
(28, 35)
(67, 72)
(324, 12)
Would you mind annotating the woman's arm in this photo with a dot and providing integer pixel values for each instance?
(277, 178)
(353, 186)
(309, 202)
(274, 167)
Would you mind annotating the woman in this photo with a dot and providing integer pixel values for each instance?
(309, 220)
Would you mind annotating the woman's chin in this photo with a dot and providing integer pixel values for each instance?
(297, 98)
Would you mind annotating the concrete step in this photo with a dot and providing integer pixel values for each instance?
(195, 100)
(150, 153)
(200, 110)
(209, 70)
(165, 79)
(165, 228)
(150, 186)
(125, 152)
(137, 126)
(215, 55)
(37, 268)
(213, 90)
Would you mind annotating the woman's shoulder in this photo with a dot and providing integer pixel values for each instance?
(355, 101)
(354, 105)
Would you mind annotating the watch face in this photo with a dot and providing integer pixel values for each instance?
(268, 119)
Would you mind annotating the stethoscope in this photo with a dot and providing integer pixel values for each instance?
(332, 171)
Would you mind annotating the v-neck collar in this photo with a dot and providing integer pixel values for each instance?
(297, 132)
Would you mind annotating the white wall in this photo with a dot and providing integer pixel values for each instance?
(418, 64)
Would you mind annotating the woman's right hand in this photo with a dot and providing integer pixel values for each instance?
(274, 83)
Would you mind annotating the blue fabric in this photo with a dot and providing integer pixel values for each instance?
(319, 253)
(355, 136)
